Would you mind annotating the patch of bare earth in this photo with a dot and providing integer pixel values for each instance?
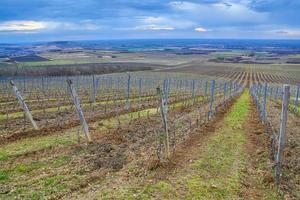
(257, 177)
(290, 181)
(142, 166)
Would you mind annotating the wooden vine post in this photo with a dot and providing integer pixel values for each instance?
(166, 90)
(297, 97)
(283, 121)
(94, 90)
(79, 111)
(230, 89)
(224, 94)
(276, 94)
(264, 104)
(23, 104)
(206, 89)
(128, 92)
(140, 88)
(212, 91)
(193, 91)
(163, 113)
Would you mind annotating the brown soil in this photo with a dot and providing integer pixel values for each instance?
(139, 151)
(199, 138)
(290, 181)
(70, 119)
(257, 173)
(110, 151)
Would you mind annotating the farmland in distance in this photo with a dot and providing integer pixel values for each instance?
(166, 122)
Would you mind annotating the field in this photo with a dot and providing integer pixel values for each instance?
(177, 124)
(134, 153)
(203, 60)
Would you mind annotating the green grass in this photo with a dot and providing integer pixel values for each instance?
(19, 114)
(28, 101)
(43, 189)
(112, 123)
(34, 144)
(10, 174)
(27, 168)
(294, 109)
(291, 107)
(162, 186)
(28, 185)
(216, 175)
(15, 115)
(62, 160)
(3, 175)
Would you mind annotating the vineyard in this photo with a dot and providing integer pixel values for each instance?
(278, 108)
(63, 137)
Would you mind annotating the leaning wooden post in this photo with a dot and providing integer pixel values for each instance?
(140, 88)
(140, 92)
(128, 92)
(206, 89)
(276, 94)
(24, 84)
(23, 104)
(168, 90)
(230, 90)
(212, 91)
(193, 91)
(272, 92)
(283, 121)
(297, 97)
(43, 85)
(224, 94)
(79, 111)
(164, 89)
(163, 113)
(94, 90)
(264, 104)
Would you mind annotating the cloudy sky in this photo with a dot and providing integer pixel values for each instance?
(48, 20)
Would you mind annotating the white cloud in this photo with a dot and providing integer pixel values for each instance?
(200, 29)
(155, 27)
(156, 23)
(22, 26)
(39, 26)
(171, 20)
(291, 33)
(150, 19)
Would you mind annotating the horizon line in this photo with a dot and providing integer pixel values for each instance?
(132, 39)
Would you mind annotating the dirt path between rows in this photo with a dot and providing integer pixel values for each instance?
(257, 180)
